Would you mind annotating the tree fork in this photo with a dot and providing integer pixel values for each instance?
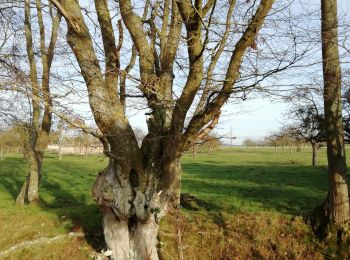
(141, 184)
(38, 134)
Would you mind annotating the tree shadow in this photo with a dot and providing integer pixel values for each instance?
(62, 192)
(288, 189)
(191, 202)
(12, 177)
(77, 207)
(66, 189)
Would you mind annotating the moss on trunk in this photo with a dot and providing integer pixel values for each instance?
(335, 238)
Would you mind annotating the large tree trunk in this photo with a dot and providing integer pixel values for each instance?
(130, 238)
(331, 220)
(338, 187)
(131, 210)
(30, 190)
(35, 152)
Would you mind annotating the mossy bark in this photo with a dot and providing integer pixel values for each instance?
(30, 190)
(131, 211)
(336, 238)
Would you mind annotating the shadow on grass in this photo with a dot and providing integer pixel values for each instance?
(65, 190)
(288, 189)
(11, 174)
(190, 202)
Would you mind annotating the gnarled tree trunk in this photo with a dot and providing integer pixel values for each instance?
(131, 210)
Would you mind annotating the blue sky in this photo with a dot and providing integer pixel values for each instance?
(254, 118)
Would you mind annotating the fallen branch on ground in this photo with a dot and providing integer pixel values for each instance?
(41, 240)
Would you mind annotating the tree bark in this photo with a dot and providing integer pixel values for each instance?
(131, 211)
(29, 193)
(130, 238)
(315, 148)
(338, 195)
(330, 221)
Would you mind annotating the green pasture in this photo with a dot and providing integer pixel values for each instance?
(231, 181)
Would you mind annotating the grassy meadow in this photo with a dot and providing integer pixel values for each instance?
(252, 203)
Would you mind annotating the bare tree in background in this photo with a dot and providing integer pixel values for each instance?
(141, 184)
(306, 113)
(39, 131)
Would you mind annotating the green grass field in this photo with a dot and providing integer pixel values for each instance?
(250, 179)
(253, 197)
